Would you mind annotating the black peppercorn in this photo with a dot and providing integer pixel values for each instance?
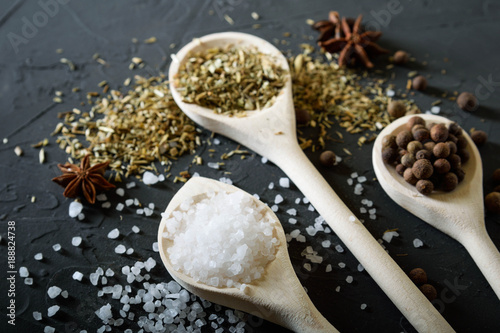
(327, 158)
(441, 150)
(449, 182)
(423, 154)
(479, 137)
(396, 109)
(400, 169)
(425, 186)
(418, 276)
(439, 133)
(422, 169)
(389, 155)
(410, 177)
(442, 166)
(467, 101)
(302, 116)
(492, 202)
(401, 57)
(419, 83)
(403, 138)
(408, 159)
(429, 291)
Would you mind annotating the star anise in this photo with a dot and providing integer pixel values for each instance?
(84, 178)
(353, 42)
(328, 28)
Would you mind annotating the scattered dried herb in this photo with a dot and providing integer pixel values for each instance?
(230, 80)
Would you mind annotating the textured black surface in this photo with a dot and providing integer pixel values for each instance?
(465, 32)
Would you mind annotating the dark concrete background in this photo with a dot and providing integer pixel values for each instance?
(465, 32)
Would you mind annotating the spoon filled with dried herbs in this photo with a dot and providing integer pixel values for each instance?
(440, 180)
(226, 246)
(270, 131)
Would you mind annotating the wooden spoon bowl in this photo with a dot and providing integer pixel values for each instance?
(277, 296)
(459, 214)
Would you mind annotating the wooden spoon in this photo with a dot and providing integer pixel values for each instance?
(459, 213)
(271, 133)
(277, 296)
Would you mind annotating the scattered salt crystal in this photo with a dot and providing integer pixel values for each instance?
(120, 206)
(81, 216)
(52, 310)
(338, 159)
(339, 248)
(390, 93)
(139, 211)
(101, 197)
(337, 289)
(54, 291)
(28, 281)
(435, 109)
(136, 202)
(297, 201)
(305, 200)
(49, 329)
(291, 220)
(325, 243)
(151, 205)
(76, 241)
(155, 247)
(216, 141)
(213, 165)
(389, 235)
(161, 178)
(130, 185)
(284, 182)
(136, 229)
(120, 249)
(104, 313)
(129, 202)
(38, 256)
(23, 272)
(311, 231)
(349, 279)
(278, 199)
(341, 264)
(417, 243)
(226, 180)
(350, 181)
(256, 196)
(363, 306)
(354, 175)
(196, 174)
(372, 211)
(264, 160)
(363, 210)
(360, 268)
(295, 233)
(149, 178)
(327, 230)
(77, 276)
(64, 294)
(307, 267)
(56, 247)
(37, 315)
(75, 208)
(328, 268)
(148, 211)
(292, 212)
(129, 251)
(373, 217)
(310, 208)
(361, 179)
(352, 218)
(113, 234)
(106, 205)
(301, 238)
(270, 186)
(274, 208)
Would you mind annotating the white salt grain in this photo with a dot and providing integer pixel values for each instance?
(292, 212)
(77, 276)
(120, 206)
(54, 291)
(56, 247)
(339, 248)
(23, 272)
(120, 191)
(278, 199)
(76, 241)
(130, 185)
(101, 197)
(274, 208)
(270, 186)
(291, 220)
(328, 268)
(113, 234)
(326, 243)
(307, 267)
(120, 249)
(28, 281)
(213, 165)
(38, 256)
(417, 243)
(264, 160)
(52, 310)
(363, 306)
(129, 202)
(136, 229)
(81, 216)
(37, 315)
(360, 268)
(349, 279)
(106, 205)
(155, 247)
(75, 208)
(284, 182)
(341, 264)
(149, 178)
(49, 329)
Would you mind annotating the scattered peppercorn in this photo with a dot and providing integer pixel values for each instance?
(302, 116)
(425, 186)
(467, 101)
(396, 109)
(441, 150)
(429, 291)
(422, 169)
(496, 175)
(403, 138)
(418, 276)
(492, 202)
(409, 177)
(419, 83)
(328, 158)
(401, 57)
(479, 137)
(449, 182)
(439, 133)
(442, 166)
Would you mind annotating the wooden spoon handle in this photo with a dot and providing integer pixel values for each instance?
(381, 267)
(485, 254)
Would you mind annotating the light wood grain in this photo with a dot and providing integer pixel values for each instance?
(459, 213)
(278, 296)
(271, 133)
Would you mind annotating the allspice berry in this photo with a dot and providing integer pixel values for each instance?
(429, 145)
(441, 150)
(439, 133)
(414, 146)
(401, 57)
(496, 175)
(455, 129)
(400, 169)
(396, 109)
(467, 101)
(408, 160)
(455, 161)
(302, 116)
(389, 141)
(389, 155)
(403, 139)
(429, 291)
(415, 120)
(479, 137)
(423, 154)
(422, 169)
(410, 177)
(328, 158)
(461, 142)
(452, 146)
(449, 182)
(418, 276)
(419, 83)
(442, 166)
(421, 134)
(460, 174)
(425, 186)
(464, 155)
(492, 202)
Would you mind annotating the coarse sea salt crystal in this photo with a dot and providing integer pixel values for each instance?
(120, 206)
(120, 249)
(76, 241)
(278, 199)
(350, 181)
(307, 267)
(49, 329)
(101, 197)
(328, 268)
(363, 306)
(38, 256)
(417, 243)
(52, 310)
(28, 281)
(106, 205)
(56, 247)
(64, 294)
(77, 276)
(37, 315)
(291, 220)
(81, 216)
(23, 272)
(216, 141)
(54, 291)
(213, 165)
(75, 208)
(284, 182)
(301, 238)
(270, 186)
(130, 185)
(120, 191)
(149, 178)
(390, 93)
(341, 265)
(161, 178)
(136, 229)
(291, 211)
(435, 109)
(226, 180)
(326, 243)
(264, 160)
(274, 208)
(360, 268)
(129, 202)
(349, 279)
(113, 234)
(389, 235)
(155, 247)
(339, 248)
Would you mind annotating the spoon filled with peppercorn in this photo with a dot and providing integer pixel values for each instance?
(429, 166)
(206, 86)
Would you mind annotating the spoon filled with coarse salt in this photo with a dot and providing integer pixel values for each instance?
(458, 213)
(227, 247)
(271, 132)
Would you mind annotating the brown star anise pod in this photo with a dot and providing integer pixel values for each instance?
(84, 178)
(353, 43)
(328, 28)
